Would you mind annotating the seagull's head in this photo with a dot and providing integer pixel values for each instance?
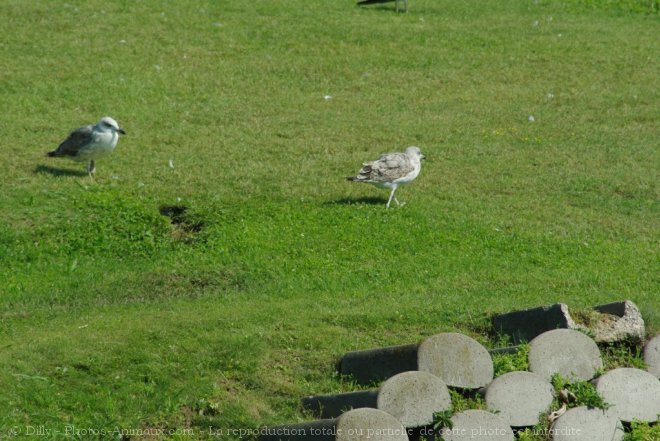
(415, 152)
(109, 124)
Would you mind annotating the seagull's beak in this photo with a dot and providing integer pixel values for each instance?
(121, 131)
(422, 157)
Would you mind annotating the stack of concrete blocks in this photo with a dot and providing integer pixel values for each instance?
(454, 359)
(353, 425)
(632, 394)
(415, 380)
(621, 321)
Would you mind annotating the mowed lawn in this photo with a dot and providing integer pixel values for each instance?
(220, 263)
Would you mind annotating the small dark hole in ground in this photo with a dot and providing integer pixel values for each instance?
(174, 212)
(179, 217)
(81, 367)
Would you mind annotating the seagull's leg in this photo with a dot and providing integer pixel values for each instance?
(405, 2)
(390, 199)
(396, 6)
(91, 168)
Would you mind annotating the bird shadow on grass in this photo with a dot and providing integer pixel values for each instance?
(367, 200)
(58, 171)
(386, 6)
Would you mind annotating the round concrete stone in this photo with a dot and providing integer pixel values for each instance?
(478, 425)
(652, 356)
(519, 397)
(584, 424)
(369, 424)
(413, 397)
(458, 360)
(570, 353)
(631, 393)
(319, 430)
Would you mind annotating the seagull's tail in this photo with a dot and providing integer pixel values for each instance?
(51, 154)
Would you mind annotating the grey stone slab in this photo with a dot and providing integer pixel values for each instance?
(458, 360)
(411, 397)
(524, 325)
(519, 397)
(477, 425)
(584, 424)
(652, 356)
(375, 365)
(319, 430)
(414, 397)
(354, 425)
(631, 393)
(570, 353)
(369, 424)
(623, 321)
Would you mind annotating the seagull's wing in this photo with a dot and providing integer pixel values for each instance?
(77, 140)
(387, 168)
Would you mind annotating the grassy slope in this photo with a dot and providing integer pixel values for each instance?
(109, 318)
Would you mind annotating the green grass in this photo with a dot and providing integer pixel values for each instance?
(517, 361)
(113, 317)
(643, 432)
(584, 393)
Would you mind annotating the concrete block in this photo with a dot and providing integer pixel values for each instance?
(457, 359)
(652, 356)
(354, 425)
(570, 353)
(320, 430)
(411, 397)
(519, 397)
(477, 425)
(584, 424)
(371, 425)
(524, 325)
(375, 365)
(414, 397)
(620, 321)
(631, 393)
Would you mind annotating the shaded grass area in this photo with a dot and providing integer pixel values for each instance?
(220, 264)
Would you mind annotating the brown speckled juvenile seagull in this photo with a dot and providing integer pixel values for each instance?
(391, 171)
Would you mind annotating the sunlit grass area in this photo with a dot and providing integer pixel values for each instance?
(220, 263)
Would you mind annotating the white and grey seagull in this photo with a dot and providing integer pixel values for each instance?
(89, 143)
(391, 171)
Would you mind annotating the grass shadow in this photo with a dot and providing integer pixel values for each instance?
(58, 171)
(383, 5)
(380, 8)
(368, 200)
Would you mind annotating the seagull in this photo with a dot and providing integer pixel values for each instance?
(90, 143)
(391, 170)
(371, 2)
